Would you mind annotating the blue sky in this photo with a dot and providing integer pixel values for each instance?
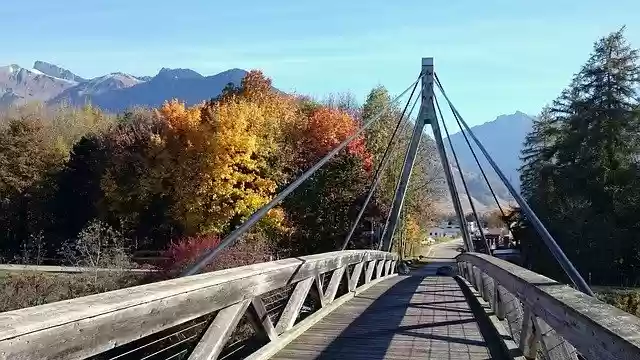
(494, 57)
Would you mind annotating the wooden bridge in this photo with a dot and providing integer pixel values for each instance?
(347, 305)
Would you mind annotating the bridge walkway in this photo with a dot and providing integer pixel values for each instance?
(419, 316)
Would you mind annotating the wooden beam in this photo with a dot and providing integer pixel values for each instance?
(216, 336)
(262, 316)
(291, 311)
(355, 276)
(334, 283)
(529, 335)
(371, 266)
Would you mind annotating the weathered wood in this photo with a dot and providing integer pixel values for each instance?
(93, 324)
(529, 335)
(553, 346)
(477, 276)
(354, 277)
(320, 289)
(498, 304)
(371, 266)
(291, 311)
(379, 267)
(334, 283)
(486, 288)
(595, 329)
(262, 316)
(213, 340)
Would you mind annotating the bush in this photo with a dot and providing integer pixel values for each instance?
(98, 245)
(250, 249)
(25, 289)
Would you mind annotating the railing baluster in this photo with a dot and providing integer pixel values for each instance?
(485, 283)
(218, 333)
(320, 289)
(379, 268)
(498, 303)
(260, 319)
(387, 267)
(553, 346)
(393, 267)
(477, 275)
(355, 276)
(332, 289)
(529, 335)
(291, 311)
(371, 266)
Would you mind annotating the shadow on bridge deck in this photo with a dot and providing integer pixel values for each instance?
(406, 317)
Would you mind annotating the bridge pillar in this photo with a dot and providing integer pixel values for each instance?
(409, 159)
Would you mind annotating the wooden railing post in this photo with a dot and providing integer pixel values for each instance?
(379, 268)
(371, 266)
(216, 336)
(355, 276)
(477, 280)
(529, 335)
(498, 303)
(260, 319)
(553, 346)
(485, 292)
(291, 311)
(332, 289)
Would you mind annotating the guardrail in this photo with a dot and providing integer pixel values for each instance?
(548, 319)
(195, 317)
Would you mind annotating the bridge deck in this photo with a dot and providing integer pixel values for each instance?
(421, 316)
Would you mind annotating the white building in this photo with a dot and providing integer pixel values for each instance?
(445, 229)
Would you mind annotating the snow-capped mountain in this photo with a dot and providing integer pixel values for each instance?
(113, 92)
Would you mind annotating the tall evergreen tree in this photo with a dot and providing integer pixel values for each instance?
(580, 163)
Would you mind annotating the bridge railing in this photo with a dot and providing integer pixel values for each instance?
(548, 319)
(206, 316)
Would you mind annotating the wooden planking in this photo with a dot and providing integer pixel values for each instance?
(404, 317)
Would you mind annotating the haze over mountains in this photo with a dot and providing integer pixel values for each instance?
(116, 92)
(503, 139)
(113, 92)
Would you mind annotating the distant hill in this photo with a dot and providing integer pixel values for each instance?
(502, 138)
(113, 92)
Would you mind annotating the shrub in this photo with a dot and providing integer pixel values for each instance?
(250, 249)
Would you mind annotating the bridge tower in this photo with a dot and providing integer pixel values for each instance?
(427, 115)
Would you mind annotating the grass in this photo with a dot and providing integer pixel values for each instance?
(29, 288)
(623, 298)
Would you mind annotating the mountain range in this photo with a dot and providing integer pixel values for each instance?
(114, 92)
(503, 139)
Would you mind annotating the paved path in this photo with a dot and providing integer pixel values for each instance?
(420, 316)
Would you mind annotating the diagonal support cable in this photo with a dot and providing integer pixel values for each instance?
(260, 213)
(464, 182)
(386, 156)
(549, 241)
